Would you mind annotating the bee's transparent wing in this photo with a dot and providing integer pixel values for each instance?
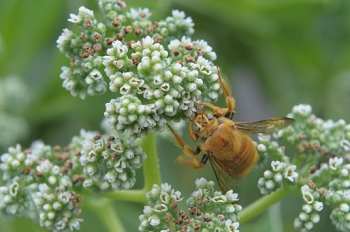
(226, 182)
(264, 127)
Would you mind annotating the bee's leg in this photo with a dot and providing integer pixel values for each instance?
(218, 111)
(230, 101)
(194, 162)
(204, 159)
(191, 160)
(181, 143)
(228, 112)
(193, 135)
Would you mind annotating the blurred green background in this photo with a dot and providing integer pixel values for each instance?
(276, 53)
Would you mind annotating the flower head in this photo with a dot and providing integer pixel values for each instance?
(232, 226)
(335, 162)
(290, 173)
(109, 163)
(210, 207)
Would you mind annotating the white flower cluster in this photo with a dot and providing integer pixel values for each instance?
(309, 215)
(21, 194)
(57, 209)
(281, 166)
(164, 30)
(220, 211)
(313, 135)
(84, 14)
(166, 74)
(174, 25)
(163, 206)
(83, 76)
(112, 10)
(85, 51)
(110, 164)
(199, 48)
(322, 151)
(338, 193)
(340, 216)
(272, 180)
(208, 209)
(340, 173)
(128, 113)
(165, 87)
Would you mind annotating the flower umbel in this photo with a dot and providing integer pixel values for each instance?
(208, 209)
(109, 163)
(161, 87)
(52, 201)
(321, 155)
(162, 72)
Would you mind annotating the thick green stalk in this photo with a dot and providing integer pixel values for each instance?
(151, 166)
(128, 195)
(103, 207)
(262, 204)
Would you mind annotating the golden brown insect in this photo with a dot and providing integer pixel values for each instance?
(225, 143)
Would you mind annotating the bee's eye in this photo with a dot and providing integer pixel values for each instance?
(209, 116)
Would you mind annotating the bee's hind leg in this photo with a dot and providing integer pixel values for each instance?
(194, 162)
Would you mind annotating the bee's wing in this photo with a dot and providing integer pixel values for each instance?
(264, 127)
(225, 181)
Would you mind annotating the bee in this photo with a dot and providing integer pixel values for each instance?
(223, 142)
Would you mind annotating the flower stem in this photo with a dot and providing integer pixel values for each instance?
(262, 204)
(103, 207)
(128, 195)
(151, 167)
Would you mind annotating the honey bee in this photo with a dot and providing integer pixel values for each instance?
(223, 142)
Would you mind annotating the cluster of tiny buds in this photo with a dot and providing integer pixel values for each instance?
(163, 207)
(163, 74)
(208, 209)
(280, 166)
(322, 148)
(85, 51)
(108, 163)
(53, 202)
(160, 87)
(336, 176)
(311, 135)
(340, 216)
(92, 161)
(272, 180)
(309, 215)
(57, 209)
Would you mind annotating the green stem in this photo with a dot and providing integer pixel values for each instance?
(151, 167)
(128, 195)
(262, 204)
(103, 207)
(151, 175)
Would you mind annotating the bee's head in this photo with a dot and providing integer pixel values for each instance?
(201, 121)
